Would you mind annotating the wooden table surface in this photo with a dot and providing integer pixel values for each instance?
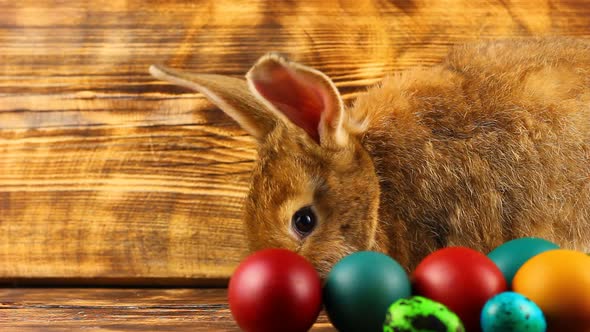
(110, 309)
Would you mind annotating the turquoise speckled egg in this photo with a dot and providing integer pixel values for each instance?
(510, 256)
(512, 312)
(417, 314)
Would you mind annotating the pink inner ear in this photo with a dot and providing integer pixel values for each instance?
(301, 100)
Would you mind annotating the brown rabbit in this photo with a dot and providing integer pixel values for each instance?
(490, 145)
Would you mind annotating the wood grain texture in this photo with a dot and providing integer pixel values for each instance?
(106, 172)
(53, 310)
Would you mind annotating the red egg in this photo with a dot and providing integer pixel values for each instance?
(275, 290)
(460, 278)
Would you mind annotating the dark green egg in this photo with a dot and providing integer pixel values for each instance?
(510, 256)
(360, 288)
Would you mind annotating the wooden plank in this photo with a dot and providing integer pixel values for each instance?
(109, 174)
(87, 309)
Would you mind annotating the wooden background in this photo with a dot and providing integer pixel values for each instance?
(110, 176)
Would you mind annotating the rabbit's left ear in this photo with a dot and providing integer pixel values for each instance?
(304, 96)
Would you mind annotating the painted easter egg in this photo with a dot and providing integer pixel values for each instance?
(275, 290)
(418, 313)
(558, 281)
(460, 278)
(512, 312)
(361, 287)
(510, 256)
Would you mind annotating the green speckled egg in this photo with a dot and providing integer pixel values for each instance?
(419, 314)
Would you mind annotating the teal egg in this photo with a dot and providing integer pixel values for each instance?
(417, 314)
(512, 312)
(360, 288)
(510, 256)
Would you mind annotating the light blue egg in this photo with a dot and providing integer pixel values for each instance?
(512, 312)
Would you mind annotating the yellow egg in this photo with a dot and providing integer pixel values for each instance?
(558, 281)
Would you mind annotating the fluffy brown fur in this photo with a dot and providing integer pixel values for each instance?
(490, 145)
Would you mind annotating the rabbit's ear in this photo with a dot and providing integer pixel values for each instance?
(304, 96)
(230, 94)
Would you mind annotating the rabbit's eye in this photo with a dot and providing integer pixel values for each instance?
(304, 221)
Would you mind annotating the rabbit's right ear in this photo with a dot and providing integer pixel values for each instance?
(230, 94)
